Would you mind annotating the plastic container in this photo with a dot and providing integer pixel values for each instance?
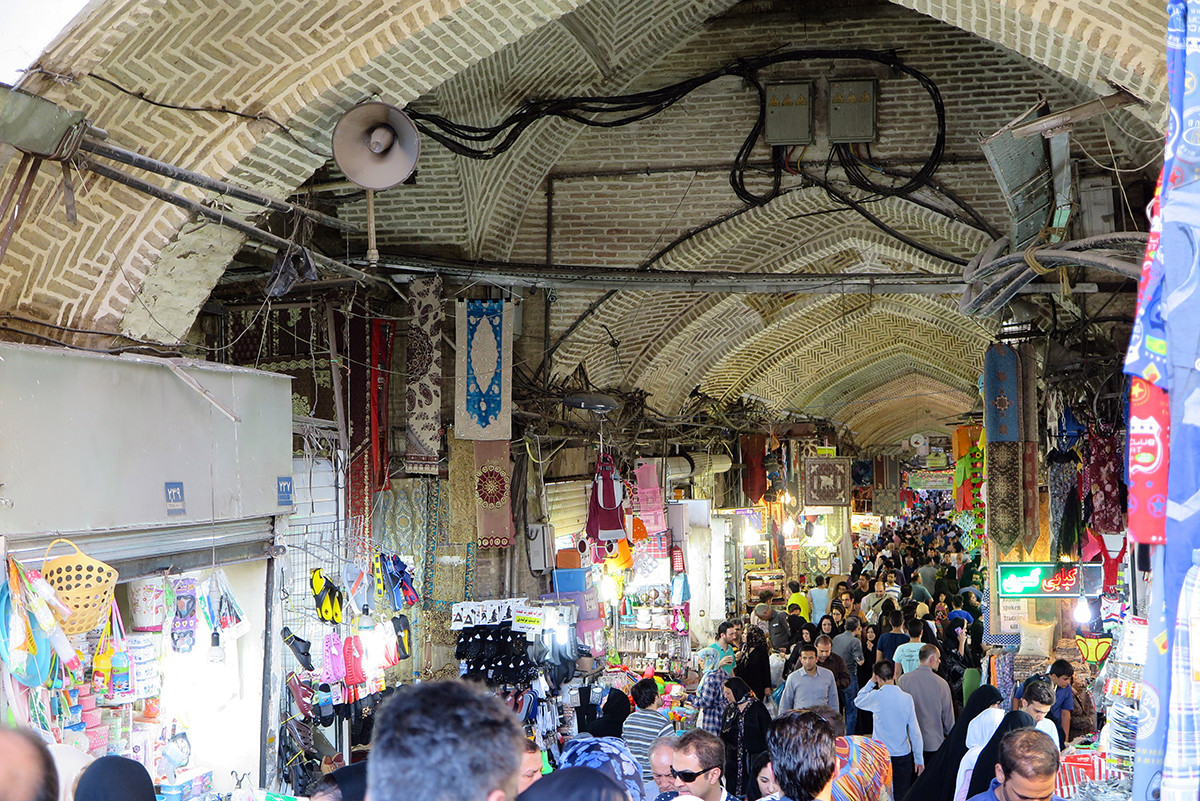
(568, 580)
(97, 737)
(91, 717)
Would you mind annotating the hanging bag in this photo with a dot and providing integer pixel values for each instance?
(121, 685)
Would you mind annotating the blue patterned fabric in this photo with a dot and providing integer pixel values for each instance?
(1181, 767)
(485, 318)
(610, 756)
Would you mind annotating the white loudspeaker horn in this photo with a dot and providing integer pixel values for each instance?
(376, 145)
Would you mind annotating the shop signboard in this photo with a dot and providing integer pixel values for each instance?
(931, 480)
(1048, 580)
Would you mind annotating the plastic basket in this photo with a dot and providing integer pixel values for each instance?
(84, 584)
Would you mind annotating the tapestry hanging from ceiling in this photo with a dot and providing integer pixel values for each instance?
(827, 481)
(483, 370)
(423, 399)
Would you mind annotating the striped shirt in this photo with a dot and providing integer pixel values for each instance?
(642, 728)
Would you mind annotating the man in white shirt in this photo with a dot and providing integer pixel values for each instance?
(895, 725)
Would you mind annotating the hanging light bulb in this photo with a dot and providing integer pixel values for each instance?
(216, 651)
(1083, 611)
(789, 527)
(608, 589)
(751, 535)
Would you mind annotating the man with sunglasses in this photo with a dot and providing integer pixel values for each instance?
(1026, 769)
(697, 766)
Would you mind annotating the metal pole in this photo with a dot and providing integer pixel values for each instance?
(204, 182)
(241, 226)
(339, 404)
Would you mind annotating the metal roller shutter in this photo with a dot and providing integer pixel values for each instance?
(567, 502)
(140, 552)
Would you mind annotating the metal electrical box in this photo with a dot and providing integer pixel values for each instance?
(789, 119)
(852, 110)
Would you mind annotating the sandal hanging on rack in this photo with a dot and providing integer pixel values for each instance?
(302, 649)
(321, 589)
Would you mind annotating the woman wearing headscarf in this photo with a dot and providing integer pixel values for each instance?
(838, 615)
(744, 732)
(754, 663)
(865, 721)
(610, 756)
(937, 782)
(989, 757)
(612, 715)
(828, 626)
(978, 733)
(114, 778)
(575, 784)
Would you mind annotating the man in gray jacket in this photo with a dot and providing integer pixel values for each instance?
(931, 696)
(775, 625)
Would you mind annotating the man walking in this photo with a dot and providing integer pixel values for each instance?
(931, 697)
(908, 655)
(809, 686)
(895, 725)
(645, 725)
(848, 646)
(818, 599)
(827, 659)
(721, 654)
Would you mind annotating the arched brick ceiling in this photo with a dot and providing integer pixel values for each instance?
(898, 408)
(143, 268)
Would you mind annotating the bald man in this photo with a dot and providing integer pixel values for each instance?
(26, 769)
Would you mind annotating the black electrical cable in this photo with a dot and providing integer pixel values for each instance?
(496, 139)
(878, 223)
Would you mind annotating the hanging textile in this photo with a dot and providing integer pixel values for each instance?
(1180, 271)
(650, 499)
(606, 512)
(1181, 765)
(493, 494)
(1029, 444)
(1001, 394)
(754, 476)
(1148, 449)
(1112, 565)
(1004, 489)
(483, 370)
(827, 481)
(382, 332)
(1029, 495)
(968, 480)
(1102, 481)
(423, 399)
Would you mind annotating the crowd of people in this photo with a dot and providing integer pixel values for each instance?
(865, 704)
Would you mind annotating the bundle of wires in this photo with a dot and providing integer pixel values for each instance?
(487, 142)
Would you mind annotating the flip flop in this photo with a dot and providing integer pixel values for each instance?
(403, 637)
(301, 649)
(335, 598)
(355, 579)
(320, 590)
(377, 568)
(324, 708)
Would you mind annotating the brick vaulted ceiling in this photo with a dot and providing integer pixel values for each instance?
(886, 365)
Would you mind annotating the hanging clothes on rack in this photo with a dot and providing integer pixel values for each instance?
(1102, 473)
(606, 511)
